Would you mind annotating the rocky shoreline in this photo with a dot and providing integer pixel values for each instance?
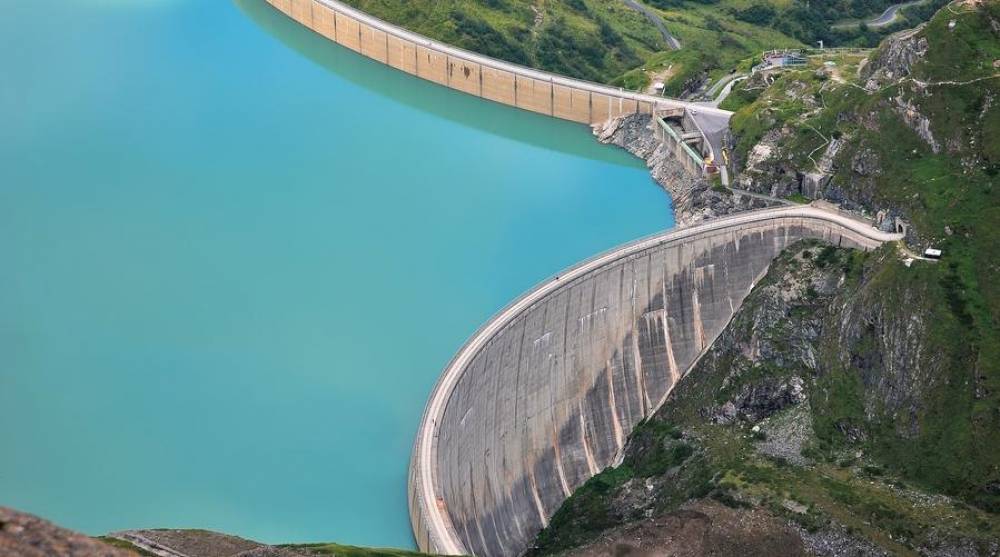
(695, 199)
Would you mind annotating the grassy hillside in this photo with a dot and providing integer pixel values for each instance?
(770, 453)
(582, 38)
(924, 147)
(894, 444)
(606, 41)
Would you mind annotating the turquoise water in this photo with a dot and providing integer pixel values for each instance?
(234, 259)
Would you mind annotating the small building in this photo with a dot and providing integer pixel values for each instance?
(783, 58)
(932, 253)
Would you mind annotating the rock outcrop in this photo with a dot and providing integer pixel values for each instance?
(694, 199)
(702, 528)
(24, 535)
(894, 60)
(816, 364)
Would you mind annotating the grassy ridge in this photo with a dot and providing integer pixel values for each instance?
(875, 463)
(606, 41)
(951, 195)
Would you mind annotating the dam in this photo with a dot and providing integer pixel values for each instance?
(194, 308)
(545, 394)
(498, 81)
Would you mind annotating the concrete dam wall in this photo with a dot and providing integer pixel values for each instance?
(545, 394)
(481, 76)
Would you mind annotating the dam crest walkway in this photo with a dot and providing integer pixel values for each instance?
(495, 80)
(543, 396)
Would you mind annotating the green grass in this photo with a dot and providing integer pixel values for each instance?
(957, 189)
(773, 110)
(611, 43)
(586, 39)
(704, 460)
(586, 513)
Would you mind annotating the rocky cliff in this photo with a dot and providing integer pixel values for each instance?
(773, 443)
(695, 199)
(852, 406)
(878, 133)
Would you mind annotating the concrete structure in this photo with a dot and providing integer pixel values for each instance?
(545, 394)
(688, 147)
(482, 76)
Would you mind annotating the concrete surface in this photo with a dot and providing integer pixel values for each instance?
(472, 73)
(545, 394)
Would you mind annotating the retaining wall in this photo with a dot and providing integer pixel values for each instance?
(545, 395)
(481, 76)
(692, 161)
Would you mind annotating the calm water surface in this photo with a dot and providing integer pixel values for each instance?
(234, 259)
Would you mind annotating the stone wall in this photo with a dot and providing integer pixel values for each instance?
(477, 75)
(545, 395)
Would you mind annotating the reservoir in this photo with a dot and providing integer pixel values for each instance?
(234, 258)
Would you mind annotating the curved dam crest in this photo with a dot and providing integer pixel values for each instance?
(545, 394)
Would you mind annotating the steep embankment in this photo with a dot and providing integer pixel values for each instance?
(694, 199)
(772, 444)
(854, 402)
(914, 135)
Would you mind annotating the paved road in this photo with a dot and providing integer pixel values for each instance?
(443, 535)
(726, 90)
(713, 127)
(887, 17)
(652, 16)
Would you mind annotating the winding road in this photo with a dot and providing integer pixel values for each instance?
(657, 21)
(887, 17)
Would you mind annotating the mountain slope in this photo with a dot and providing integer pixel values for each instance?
(854, 401)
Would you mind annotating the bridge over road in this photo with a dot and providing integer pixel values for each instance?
(545, 394)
